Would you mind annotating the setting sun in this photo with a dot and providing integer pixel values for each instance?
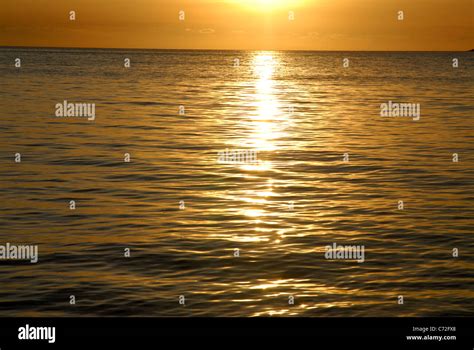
(267, 5)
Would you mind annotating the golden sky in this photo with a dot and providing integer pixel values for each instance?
(241, 24)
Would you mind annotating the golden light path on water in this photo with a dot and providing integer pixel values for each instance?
(266, 125)
(264, 128)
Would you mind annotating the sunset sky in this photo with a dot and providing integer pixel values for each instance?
(240, 24)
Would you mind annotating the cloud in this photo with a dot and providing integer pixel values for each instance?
(207, 31)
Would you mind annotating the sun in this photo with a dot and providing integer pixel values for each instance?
(267, 4)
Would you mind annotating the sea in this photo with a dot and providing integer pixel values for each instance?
(134, 213)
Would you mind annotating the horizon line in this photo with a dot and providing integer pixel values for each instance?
(203, 49)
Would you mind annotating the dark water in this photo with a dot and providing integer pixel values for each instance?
(301, 111)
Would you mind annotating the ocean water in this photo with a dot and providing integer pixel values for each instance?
(301, 112)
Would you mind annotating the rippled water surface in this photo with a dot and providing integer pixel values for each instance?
(302, 111)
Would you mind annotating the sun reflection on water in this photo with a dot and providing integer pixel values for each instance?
(265, 125)
(263, 130)
(269, 111)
